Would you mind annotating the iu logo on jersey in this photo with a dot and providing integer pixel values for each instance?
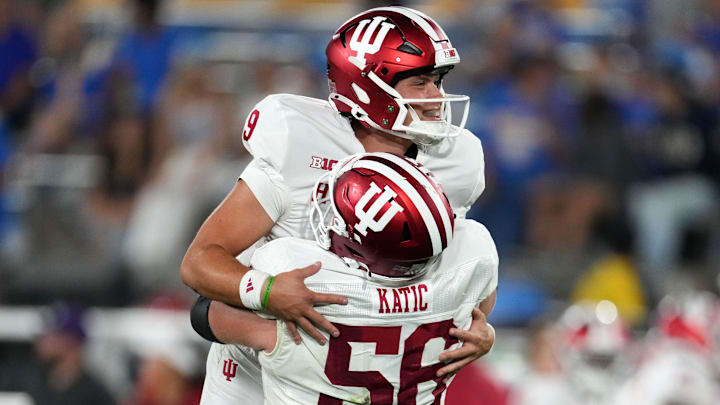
(367, 216)
(365, 45)
(229, 369)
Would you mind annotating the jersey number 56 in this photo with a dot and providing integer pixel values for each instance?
(387, 340)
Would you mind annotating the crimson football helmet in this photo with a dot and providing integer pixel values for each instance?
(382, 212)
(693, 318)
(374, 50)
(596, 350)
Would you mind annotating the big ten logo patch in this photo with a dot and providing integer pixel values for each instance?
(229, 369)
(317, 162)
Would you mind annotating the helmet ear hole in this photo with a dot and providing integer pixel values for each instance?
(405, 233)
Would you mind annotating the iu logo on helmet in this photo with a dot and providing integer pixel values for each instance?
(367, 217)
(364, 45)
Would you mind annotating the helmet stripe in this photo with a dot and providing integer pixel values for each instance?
(429, 186)
(414, 196)
(432, 23)
(417, 17)
(437, 34)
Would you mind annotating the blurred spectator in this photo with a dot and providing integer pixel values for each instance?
(195, 118)
(146, 53)
(126, 148)
(269, 77)
(544, 382)
(161, 383)
(597, 350)
(614, 276)
(195, 147)
(674, 193)
(561, 213)
(59, 76)
(530, 26)
(170, 368)
(526, 140)
(17, 54)
(677, 364)
(59, 374)
(6, 218)
(602, 155)
(708, 28)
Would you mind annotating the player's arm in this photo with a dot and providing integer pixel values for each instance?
(477, 341)
(209, 265)
(237, 326)
(248, 213)
(211, 269)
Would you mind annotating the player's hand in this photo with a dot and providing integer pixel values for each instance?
(293, 302)
(477, 341)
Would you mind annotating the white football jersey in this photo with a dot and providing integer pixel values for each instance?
(390, 334)
(294, 139)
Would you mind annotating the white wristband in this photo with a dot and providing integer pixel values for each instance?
(251, 287)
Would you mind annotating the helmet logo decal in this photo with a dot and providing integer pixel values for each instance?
(367, 218)
(364, 46)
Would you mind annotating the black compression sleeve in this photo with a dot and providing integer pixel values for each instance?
(199, 319)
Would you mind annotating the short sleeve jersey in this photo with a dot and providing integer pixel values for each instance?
(294, 139)
(391, 333)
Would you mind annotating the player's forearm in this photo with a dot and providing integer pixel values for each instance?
(487, 305)
(238, 326)
(213, 273)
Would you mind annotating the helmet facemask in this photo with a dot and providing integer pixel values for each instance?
(428, 131)
(324, 216)
(423, 132)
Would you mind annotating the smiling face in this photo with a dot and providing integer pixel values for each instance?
(422, 86)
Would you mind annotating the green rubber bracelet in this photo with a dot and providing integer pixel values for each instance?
(266, 295)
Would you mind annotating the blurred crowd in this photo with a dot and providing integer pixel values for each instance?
(599, 121)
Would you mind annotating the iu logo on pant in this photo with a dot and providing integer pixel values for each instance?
(229, 369)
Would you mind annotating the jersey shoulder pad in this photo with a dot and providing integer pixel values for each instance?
(459, 164)
(473, 154)
(281, 125)
(289, 253)
(266, 130)
(472, 242)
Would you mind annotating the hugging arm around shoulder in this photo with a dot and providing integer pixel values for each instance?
(199, 319)
(222, 323)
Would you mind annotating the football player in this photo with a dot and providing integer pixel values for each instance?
(386, 241)
(385, 69)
